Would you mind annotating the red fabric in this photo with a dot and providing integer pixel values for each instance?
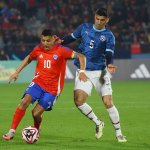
(51, 66)
(18, 115)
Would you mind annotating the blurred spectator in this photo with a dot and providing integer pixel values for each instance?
(135, 48)
(2, 44)
(3, 56)
(21, 21)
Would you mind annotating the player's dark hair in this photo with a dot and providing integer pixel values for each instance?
(102, 12)
(46, 32)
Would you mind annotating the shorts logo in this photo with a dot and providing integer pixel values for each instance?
(102, 38)
(55, 56)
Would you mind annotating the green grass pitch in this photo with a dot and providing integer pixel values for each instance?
(65, 128)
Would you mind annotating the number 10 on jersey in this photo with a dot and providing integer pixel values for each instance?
(47, 64)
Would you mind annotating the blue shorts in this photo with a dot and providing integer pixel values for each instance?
(45, 99)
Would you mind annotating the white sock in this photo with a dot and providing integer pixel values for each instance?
(12, 130)
(114, 116)
(88, 112)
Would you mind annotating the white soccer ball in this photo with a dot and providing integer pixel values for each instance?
(30, 134)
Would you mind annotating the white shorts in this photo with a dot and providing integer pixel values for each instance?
(94, 80)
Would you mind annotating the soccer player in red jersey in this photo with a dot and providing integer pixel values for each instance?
(48, 81)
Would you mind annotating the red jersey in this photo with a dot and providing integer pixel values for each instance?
(51, 66)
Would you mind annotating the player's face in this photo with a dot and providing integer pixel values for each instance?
(100, 21)
(47, 41)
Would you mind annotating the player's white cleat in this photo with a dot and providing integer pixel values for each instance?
(99, 130)
(121, 139)
(9, 135)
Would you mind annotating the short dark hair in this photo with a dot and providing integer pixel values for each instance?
(46, 32)
(102, 12)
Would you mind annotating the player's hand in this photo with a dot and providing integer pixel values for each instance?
(83, 77)
(58, 40)
(14, 77)
(111, 68)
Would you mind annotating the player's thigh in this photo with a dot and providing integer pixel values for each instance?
(34, 90)
(106, 88)
(102, 88)
(97, 85)
(84, 86)
(47, 100)
(26, 101)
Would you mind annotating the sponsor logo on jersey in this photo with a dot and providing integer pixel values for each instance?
(41, 56)
(55, 56)
(102, 38)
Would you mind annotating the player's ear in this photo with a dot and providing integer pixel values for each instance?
(53, 37)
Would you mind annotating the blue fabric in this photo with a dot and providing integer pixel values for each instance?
(109, 57)
(45, 99)
(94, 45)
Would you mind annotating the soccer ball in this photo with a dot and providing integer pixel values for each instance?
(30, 134)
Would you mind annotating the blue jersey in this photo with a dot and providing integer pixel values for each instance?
(94, 44)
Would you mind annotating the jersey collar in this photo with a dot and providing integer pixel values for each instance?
(98, 30)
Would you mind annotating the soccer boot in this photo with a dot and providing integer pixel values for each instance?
(121, 139)
(99, 130)
(9, 135)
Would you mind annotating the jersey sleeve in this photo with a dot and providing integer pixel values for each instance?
(68, 53)
(33, 54)
(110, 44)
(77, 33)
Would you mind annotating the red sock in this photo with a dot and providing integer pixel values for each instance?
(37, 123)
(18, 115)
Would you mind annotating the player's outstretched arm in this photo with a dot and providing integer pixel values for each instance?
(24, 63)
(65, 40)
(82, 60)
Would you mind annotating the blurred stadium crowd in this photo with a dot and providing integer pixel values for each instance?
(21, 22)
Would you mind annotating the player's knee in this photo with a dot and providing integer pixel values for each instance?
(108, 105)
(78, 101)
(24, 104)
(34, 114)
(107, 100)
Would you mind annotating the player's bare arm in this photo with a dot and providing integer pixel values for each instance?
(24, 63)
(82, 59)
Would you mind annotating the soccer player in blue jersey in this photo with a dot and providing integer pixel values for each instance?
(97, 44)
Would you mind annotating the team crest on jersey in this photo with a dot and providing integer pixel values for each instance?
(102, 38)
(55, 56)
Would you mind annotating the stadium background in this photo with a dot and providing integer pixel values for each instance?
(21, 22)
